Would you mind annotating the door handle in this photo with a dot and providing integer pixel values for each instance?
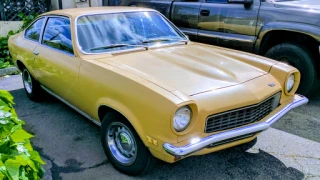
(35, 53)
(204, 12)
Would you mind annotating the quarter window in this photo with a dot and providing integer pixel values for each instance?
(58, 34)
(33, 32)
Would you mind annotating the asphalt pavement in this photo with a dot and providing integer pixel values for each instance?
(70, 144)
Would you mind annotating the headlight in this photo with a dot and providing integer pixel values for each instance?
(290, 82)
(182, 118)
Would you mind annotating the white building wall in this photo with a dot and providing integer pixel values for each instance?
(6, 26)
(75, 3)
(66, 4)
(96, 3)
(55, 4)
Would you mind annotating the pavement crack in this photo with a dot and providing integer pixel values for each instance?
(70, 168)
(294, 155)
(98, 165)
(57, 170)
(301, 166)
(308, 176)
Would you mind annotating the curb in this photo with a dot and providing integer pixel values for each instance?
(9, 71)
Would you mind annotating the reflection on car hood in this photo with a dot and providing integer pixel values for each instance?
(191, 69)
(312, 5)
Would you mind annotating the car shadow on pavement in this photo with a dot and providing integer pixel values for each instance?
(226, 164)
(70, 145)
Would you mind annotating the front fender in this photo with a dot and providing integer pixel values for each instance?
(310, 30)
(125, 111)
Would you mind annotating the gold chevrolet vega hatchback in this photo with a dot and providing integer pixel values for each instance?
(154, 93)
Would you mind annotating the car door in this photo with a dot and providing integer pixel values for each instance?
(30, 42)
(57, 67)
(185, 15)
(231, 25)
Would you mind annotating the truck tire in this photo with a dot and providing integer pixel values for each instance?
(299, 57)
(123, 146)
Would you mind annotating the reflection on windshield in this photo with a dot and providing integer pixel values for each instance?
(280, 0)
(108, 32)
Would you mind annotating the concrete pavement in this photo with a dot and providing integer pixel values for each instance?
(70, 145)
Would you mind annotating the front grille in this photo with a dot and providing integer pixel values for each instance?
(242, 116)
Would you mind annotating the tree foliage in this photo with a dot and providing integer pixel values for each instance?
(5, 58)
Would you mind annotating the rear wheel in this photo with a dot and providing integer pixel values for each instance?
(123, 146)
(31, 86)
(299, 57)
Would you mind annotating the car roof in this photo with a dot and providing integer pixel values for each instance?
(75, 12)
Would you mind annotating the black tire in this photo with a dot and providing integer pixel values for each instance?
(246, 146)
(299, 57)
(144, 160)
(34, 91)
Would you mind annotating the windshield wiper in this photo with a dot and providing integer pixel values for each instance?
(113, 46)
(162, 39)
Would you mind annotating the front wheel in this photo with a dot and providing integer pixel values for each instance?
(31, 86)
(299, 57)
(123, 147)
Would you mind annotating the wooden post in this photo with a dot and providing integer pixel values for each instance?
(60, 4)
(2, 14)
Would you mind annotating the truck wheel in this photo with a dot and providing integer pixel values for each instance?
(31, 86)
(300, 58)
(123, 147)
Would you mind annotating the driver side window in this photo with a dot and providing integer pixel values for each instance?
(58, 34)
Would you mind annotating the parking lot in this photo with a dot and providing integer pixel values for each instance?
(70, 145)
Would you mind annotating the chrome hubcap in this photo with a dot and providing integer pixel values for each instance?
(27, 81)
(121, 143)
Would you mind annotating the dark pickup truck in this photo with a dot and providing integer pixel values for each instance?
(285, 30)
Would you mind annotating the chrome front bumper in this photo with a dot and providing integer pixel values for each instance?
(249, 129)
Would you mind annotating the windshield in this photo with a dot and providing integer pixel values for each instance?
(280, 0)
(119, 31)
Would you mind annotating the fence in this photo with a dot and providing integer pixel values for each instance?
(10, 9)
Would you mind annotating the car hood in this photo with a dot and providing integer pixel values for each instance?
(300, 4)
(191, 69)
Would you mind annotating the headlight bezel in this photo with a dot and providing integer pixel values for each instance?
(174, 121)
(295, 85)
(291, 79)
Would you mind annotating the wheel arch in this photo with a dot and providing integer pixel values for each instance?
(278, 32)
(20, 65)
(105, 108)
(305, 38)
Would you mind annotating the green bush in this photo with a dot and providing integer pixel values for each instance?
(18, 160)
(5, 58)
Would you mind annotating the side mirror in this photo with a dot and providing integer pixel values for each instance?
(241, 1)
